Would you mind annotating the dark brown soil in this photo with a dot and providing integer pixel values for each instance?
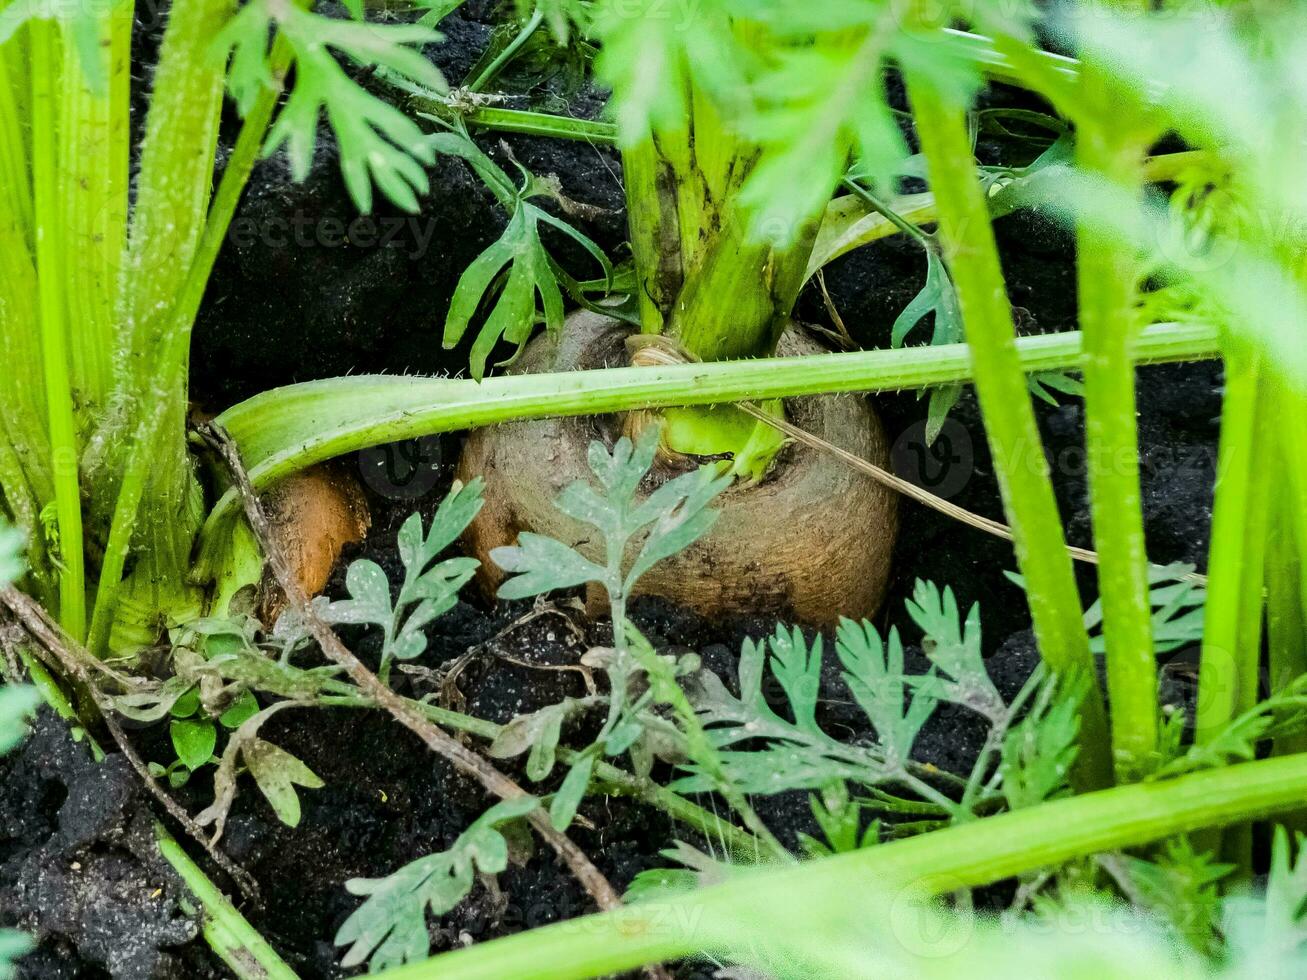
(75, 867)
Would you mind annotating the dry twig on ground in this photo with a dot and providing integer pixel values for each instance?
(439, 741)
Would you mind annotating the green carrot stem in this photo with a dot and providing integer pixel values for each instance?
(94, 152)
(139, 460)
(15, 177)
(1286, 568)
(286, 429)
(1286, 561)
(653, 219)
(1019, 460)
(25, 468)
(50, 265)
(1229, 672)
(501, 60)
(229, 934)
(715, 920)
(1107, 275)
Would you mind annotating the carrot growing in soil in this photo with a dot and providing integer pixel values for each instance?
(734, 144)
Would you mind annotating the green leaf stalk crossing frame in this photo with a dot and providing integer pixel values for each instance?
(715, 920)
(287, 429)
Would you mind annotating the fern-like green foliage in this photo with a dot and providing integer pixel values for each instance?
(801, 80)
(1039, 750)
(1026, 758)
(275, 772)
(220, 664)
(429, 587)
(953, 646)
(1177, 601)
(798, 754)
(697, 870)
(1179, 886)
(378, 143)
(938, 299)
(390, 928)
(636, 535)
(1282, 714)
(531, 270)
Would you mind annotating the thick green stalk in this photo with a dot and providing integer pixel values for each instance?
(182, 318)
(15, 179)
(705, 279)
(537, 124)
(1107, 277)
(94, 150)
(176, 176)
(740, 292)
(1232, 627)
(653, 222)
(715, 920)
(247, 954)
(173, 185)
(1286, 625)
(25, 466)
(428, 104)
(1286, 568)
(1019, 461)
(1286, 560)
(51, 267)
(286, 429)
(1228, 674)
